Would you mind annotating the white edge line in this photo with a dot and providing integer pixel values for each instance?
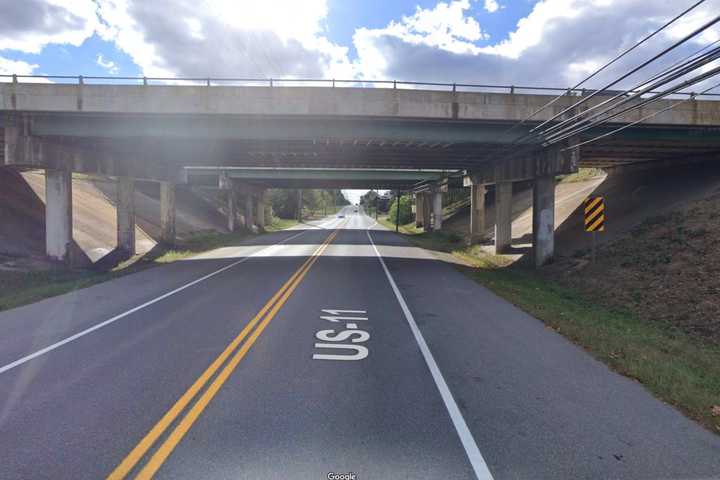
(107, 322)
(471, 449)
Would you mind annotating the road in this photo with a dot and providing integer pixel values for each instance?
(332, 348)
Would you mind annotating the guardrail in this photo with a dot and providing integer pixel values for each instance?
(325, 82)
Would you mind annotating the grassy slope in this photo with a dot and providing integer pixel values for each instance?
(21, 288)
(681, 369)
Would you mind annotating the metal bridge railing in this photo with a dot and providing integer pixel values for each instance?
(318, 82)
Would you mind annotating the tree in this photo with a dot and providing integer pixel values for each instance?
(405, 210)
(284, 201)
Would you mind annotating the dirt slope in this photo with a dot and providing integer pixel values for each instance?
(22, 215)
(666, 269)
(630, 198)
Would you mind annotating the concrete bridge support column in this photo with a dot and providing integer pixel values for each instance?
(299, 205)
(249, 214)
(167, 213)
(231, 208)
(503, 216)
(126, 215)
(427, 211)
(58, 213)
(477, 213)
(261, 200)
(419, 204)
(437, 210)
(543, 220)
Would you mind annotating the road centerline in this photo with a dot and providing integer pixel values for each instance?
(158, 458)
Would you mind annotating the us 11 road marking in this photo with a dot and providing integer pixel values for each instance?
(332, 337)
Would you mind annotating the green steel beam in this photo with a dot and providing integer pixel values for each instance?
(319, 174)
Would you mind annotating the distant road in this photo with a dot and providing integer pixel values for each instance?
(334, 348)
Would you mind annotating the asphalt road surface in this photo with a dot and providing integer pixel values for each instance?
(327, 351)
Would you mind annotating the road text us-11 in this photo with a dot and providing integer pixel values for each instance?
(342, 343)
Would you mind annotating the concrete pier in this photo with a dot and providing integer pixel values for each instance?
(427, 211)
(419, 203)
(261, 200)
(58, 213)
(543, 220)
(231, 209)
(299, 205)
(437, 210)
(167, 213)
(503, 216)
(477, 213)
(126, 215)
(249, 214)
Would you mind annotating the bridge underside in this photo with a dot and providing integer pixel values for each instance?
(253, 153)
(333, 178)
(156, 147)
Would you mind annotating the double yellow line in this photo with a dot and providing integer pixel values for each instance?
(173, 439)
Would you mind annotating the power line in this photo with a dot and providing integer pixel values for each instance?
(647, 117)
(656, 97)
(639, 89)
(677, 72)
(634, 70)
(598, 71)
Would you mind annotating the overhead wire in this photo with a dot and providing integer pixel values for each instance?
(532, 139)
(647, 117)
(646, 86)
(596, 72)
(679, 72)
(697, 79)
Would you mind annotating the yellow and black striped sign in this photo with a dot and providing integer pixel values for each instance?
(595, 214)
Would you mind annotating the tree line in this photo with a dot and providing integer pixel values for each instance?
(314, 201)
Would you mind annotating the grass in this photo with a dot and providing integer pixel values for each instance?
(21, 288)
(679, 369)
(448, 242)
(320, 213)
(582, 175)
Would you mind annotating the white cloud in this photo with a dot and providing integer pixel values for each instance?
(30, 25)
(271, 38)
(15, 67)
(557, 44)
(492, 6)
(108, 65)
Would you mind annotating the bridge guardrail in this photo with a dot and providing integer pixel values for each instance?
(340, 83)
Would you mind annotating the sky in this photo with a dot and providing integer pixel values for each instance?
(513, 42)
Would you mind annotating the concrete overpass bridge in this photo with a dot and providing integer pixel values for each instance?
(312, 136)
